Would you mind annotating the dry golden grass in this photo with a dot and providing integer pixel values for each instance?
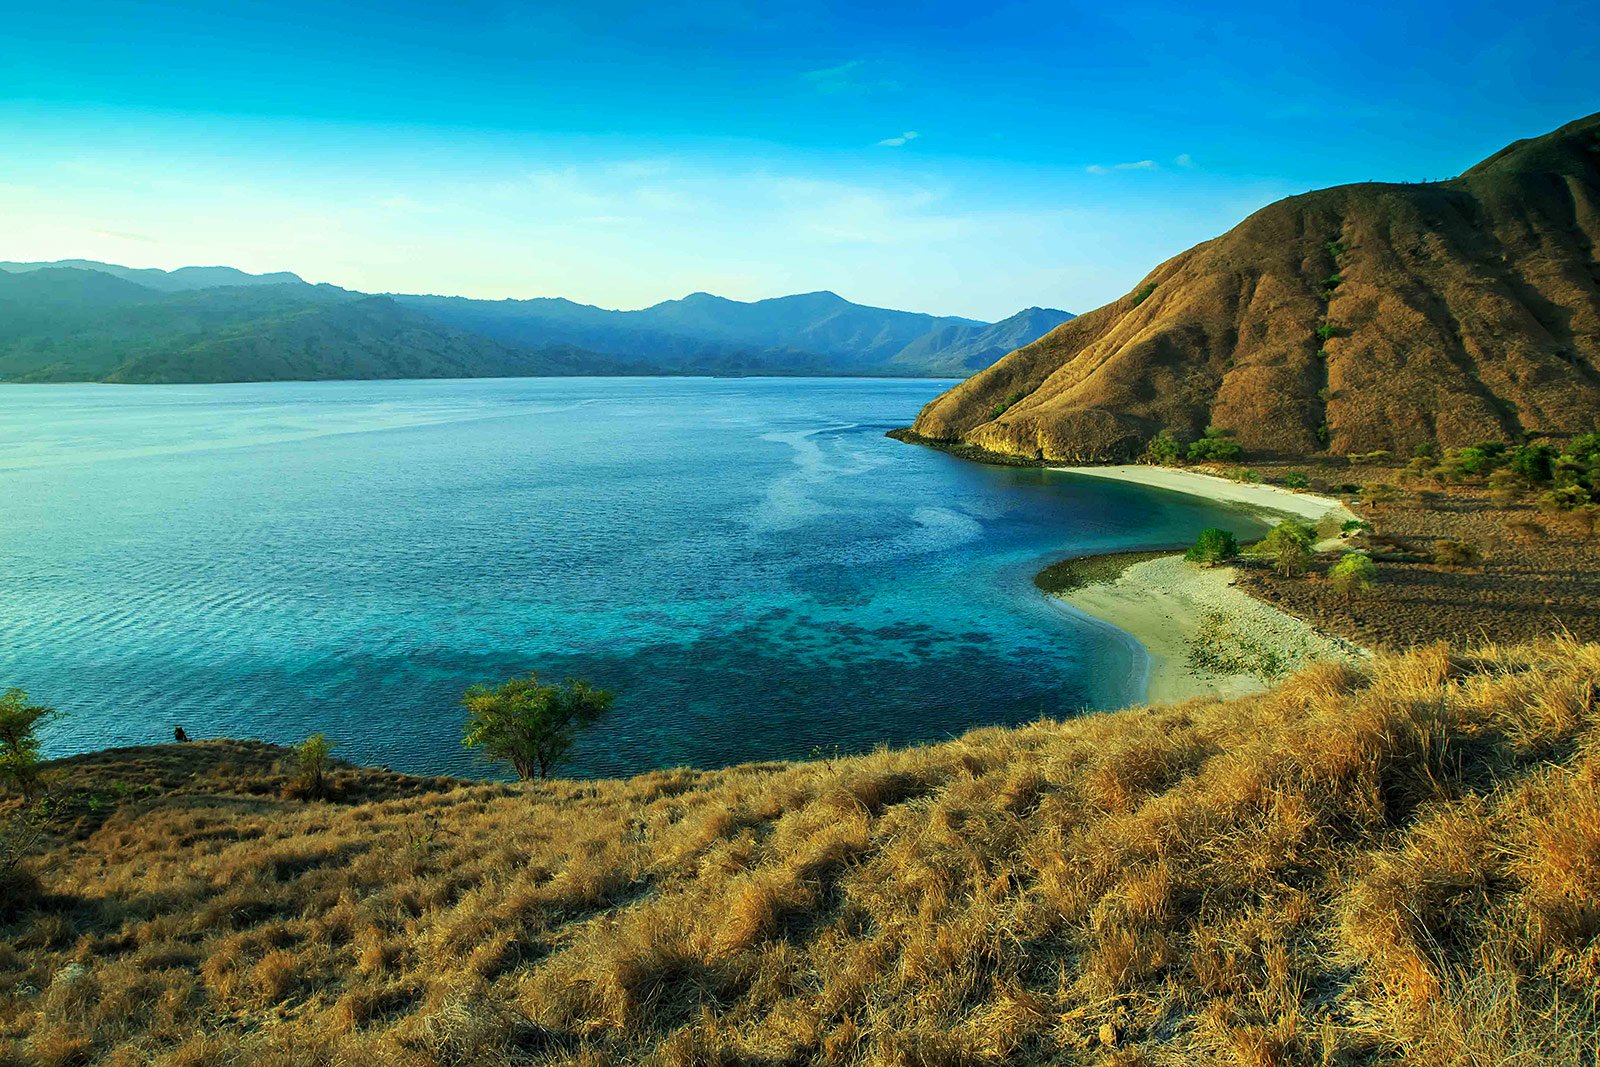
(1401, 866)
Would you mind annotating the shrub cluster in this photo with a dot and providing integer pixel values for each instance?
(1217, 445)
(1566, 478)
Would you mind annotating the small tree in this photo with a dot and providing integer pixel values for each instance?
(1163, 448)
(1212, 546)
(19, 742)
(1353, 574)
(529, 725)
(1289, 544)
(313, 756)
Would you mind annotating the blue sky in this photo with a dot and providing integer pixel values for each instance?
(965, 159)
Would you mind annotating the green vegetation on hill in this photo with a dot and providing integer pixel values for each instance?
(1396, 866)
(1359, 318)
(85, 321)
(82, 325)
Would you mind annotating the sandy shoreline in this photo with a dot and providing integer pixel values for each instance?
(1249, 495)
(1204, 637)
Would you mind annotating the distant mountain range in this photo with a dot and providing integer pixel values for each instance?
(78, 320)
(167, 281)
(1364, 317)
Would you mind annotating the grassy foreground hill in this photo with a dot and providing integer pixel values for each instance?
(1358, 318)
(1397, 866)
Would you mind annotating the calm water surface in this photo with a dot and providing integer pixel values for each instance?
(751, 565)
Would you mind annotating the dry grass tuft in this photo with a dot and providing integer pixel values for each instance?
(1396, 866)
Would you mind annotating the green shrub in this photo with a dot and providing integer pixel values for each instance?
(1328, 331)
(1534, 464)
(1505, 486)
(1217, 445)
(1003, 406)
(1212, 546)
(1565, 498)
(1448, 552)
(1471, 462)
(1143, 293)
(1584, 449)
(1297, 480)
(1353, 575)
(1162, 448)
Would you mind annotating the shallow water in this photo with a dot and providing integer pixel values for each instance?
(750, 564)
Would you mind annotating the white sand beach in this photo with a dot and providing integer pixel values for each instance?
(1205, 637)
(1246, 494)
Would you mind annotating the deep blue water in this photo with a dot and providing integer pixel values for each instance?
(750, 564)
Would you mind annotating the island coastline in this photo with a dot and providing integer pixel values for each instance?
(1202, 635)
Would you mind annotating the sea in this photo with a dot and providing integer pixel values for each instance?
(750, 565)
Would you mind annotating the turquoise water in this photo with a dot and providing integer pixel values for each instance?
(750, 564)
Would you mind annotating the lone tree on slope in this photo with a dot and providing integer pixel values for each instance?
(19, 744)
(529, 725)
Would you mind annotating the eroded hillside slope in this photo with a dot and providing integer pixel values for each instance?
(1353, 319)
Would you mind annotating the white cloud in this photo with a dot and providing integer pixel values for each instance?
(1143, 164)
(896, 142)
(1184, 160)
(849, 77)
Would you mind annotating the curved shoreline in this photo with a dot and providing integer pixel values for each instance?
(1202, 636)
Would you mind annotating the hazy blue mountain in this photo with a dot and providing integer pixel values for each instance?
(64, 324)
(962, 348)
(167, 281)
(81, 320)
(810, 333)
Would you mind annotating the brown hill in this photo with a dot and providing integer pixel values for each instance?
(1393, 866)
(1363, 317)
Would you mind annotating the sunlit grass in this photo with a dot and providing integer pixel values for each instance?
(1401, 865)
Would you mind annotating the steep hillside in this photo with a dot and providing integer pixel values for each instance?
(83, 325)
(1396, 868)
(1358, 318)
